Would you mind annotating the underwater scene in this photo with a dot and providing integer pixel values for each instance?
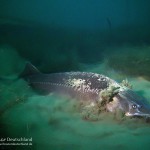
(75, 75)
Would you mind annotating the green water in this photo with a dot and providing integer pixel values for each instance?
(57, 123)
(101, 36)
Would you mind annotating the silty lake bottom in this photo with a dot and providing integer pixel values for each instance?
(55, 122)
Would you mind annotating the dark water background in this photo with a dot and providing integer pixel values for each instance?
(106, 37)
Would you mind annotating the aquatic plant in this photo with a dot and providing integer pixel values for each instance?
(107, 94)
(126, 83)
(13, 93)
(9, 59)
(129, 60)
(92, 110)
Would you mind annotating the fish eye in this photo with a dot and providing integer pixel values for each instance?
(134, 106)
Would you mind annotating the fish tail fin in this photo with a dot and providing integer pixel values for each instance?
(29, 70)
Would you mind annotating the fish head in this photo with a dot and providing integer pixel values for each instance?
(130, 103)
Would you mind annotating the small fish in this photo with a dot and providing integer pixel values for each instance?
(88, 86)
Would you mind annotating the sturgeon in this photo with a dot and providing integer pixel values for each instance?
(88, 86)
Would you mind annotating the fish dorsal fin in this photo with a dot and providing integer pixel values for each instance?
(29, 70)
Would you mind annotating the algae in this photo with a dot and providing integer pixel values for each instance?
(132, 61)
(60, 123)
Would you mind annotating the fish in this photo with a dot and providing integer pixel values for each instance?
(88, 86)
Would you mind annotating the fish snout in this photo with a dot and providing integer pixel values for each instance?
(143, 110)
(133, 104)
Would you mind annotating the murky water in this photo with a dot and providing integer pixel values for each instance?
(54, 122)
(106, 37)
